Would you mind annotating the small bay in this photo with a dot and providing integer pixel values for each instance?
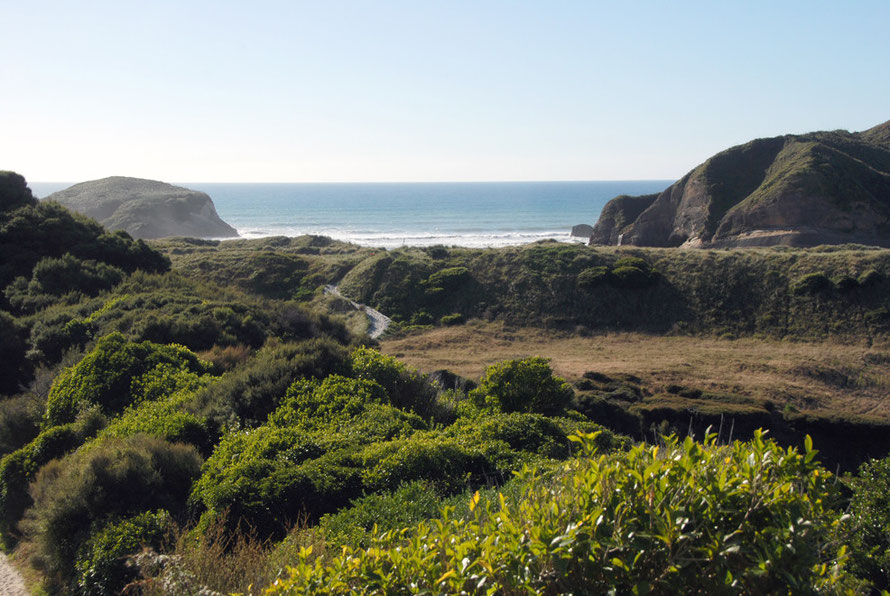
(472, 214)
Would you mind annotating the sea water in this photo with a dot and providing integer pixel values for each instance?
(472, 214)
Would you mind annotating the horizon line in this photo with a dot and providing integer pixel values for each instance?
(369, 181)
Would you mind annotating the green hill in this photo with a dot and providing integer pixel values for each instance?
(798, 190)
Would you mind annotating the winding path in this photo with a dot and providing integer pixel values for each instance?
(11, 583)
(377, 321)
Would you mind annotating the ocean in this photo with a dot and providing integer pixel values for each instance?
(472, 214)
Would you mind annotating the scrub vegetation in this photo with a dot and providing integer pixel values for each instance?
(193, 416)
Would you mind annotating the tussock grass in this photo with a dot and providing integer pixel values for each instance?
(813, 377)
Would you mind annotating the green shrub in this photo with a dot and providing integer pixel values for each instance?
(58, 276)
(406, 388)
(310, 403)
(452, 319)
(532, 433)
(684, 518)
(270, 477)
(846, 283)
(102, 568)
(407, 505)
(118, 373)
(423, 456)
(812, 284)
(19, 421)
(18, 468)
(114, 479)
(870, 524)
(448, 279)
(637, 262)
(47, 230)
(631, 277)
(15, 370)
(870, 278)
(526, 385)
(421, 318)
(245, 396)
(14, 192)
(593, 277)
(166, 418)
(373, 423)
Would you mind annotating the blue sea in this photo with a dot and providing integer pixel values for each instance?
(473, 214)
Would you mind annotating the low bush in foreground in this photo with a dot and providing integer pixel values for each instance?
(686, 517)
(75, 497)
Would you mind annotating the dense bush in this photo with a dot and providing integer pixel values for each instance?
(54, 277)
(811, 284)
(630, 277)
(246, 395)
(18, 468)
(870, 535)
(684, 518)
(166, 417)
(450, 278)
(102, 568)
(526, 385)
(453, 319)
(19, 421)
(408, 505)
(336, 398)
(406, 388)
(269, 478)
(116, 478)
(111, 376)
(425, 455)
(14, 192)
(593, 277)
(40, 230)
(14, 367)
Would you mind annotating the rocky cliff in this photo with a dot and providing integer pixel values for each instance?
(798, 190)
(146, 208)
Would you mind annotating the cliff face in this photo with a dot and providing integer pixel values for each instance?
(146, 208)
(801, 190)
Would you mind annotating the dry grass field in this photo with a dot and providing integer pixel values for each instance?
(818, 377)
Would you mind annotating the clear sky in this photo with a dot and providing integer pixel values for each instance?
(416, 90)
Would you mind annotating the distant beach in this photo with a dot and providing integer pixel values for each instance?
(472, 214)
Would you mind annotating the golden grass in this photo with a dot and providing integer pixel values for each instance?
(812, 376)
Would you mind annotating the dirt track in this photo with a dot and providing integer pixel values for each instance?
(11, 583)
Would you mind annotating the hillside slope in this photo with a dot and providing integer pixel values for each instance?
(146, 208)
(794, 190)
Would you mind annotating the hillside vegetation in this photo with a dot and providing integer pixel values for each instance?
(799, 190)
(203, 411)
(828, 291)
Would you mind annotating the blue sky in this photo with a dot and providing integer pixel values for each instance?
(422, 91)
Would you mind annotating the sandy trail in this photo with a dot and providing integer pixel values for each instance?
(11, 583)
(377, 321)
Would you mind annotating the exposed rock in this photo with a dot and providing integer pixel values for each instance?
(796, 190)
(582, 231)
(146, 208)
(617, 214)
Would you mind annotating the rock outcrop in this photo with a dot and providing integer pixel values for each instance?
(582, 231)
(796, 190)
(146, 208)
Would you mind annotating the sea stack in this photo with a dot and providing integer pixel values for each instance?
(146, 208)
